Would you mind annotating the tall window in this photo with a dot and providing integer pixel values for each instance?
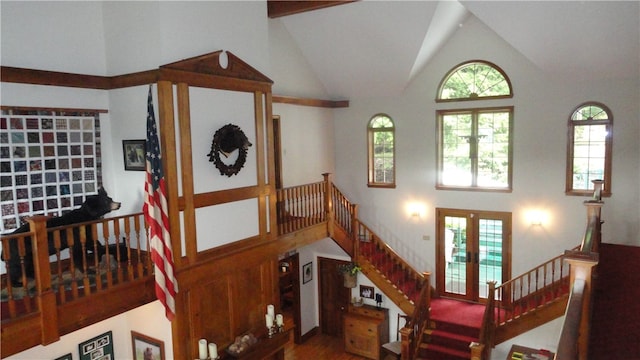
(475, 145)
(49, 162)
(381, 134)
(589, 149)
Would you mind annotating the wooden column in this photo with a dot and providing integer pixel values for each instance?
(328, 204)
(581, 269)
(46, 298)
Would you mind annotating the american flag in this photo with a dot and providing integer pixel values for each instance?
(155, 214)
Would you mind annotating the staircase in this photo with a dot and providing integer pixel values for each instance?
(453, 325)
(439, 328)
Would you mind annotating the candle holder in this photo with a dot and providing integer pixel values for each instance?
(281, 328)
(272, 331)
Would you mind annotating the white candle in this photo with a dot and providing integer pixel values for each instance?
(202, 349)
(269, 320)
(271, 311)
(279, 320)
(213, 351)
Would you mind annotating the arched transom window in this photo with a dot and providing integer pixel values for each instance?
(589, 149)
(381, 151)
(474, 80)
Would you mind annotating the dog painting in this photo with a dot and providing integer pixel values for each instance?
(94, 208)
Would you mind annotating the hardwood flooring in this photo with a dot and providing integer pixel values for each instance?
(319, 347)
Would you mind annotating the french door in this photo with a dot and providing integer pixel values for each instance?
(472, 248)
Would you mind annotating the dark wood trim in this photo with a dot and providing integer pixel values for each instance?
(277, 8)
(309, 334)
(54, 78)
(310, 102)
(133, 79)
(52, 109)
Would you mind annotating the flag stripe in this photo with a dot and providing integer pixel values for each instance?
(156, 215)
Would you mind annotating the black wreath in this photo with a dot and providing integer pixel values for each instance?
(227, 139)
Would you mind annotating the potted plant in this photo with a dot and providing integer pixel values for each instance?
(350, 273)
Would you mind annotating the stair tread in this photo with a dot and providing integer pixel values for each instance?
(448, 334)
(446, 350)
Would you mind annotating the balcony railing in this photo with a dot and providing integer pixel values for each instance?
(47, 277)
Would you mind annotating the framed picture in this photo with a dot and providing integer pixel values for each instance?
(307, 273)
(146, 348)
(98, 348)
(366, 292)
(65, 357)
(134, 154)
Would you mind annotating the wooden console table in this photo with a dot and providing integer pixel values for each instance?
(266, 348)
(366, 328)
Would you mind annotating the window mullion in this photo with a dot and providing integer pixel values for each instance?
(473, 148)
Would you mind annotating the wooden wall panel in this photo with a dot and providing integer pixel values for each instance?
(208, 311)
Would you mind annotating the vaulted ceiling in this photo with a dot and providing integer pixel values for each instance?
(379, 46)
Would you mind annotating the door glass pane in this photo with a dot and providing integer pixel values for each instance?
(455, 255)
(490, 254)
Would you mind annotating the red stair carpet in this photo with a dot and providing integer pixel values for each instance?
(454, 325)
(615, 321)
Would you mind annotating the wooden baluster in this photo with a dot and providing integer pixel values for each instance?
(127, 243)
(85, 261)
(10, 299)
(72, 263)
(96, 255)
(116, 235)
(46, 298)
(57, 246)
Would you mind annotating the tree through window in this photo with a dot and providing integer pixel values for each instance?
(475, 145)
(589, 149)
(381, 145)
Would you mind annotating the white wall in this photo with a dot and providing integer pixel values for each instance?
(114, 38)
(542, 107)
(145, 320)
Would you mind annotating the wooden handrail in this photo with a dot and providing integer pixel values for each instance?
(121, 239)
(411, 333)
(534, 288)
(574, 339)
(301, 206)
(568, 346)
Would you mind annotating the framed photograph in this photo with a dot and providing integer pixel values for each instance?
(366, 292)
(65, 357)
(134, 154)
(98, 348)
(307, 273)
(146, 348)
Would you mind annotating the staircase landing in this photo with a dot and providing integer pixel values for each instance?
(454, 324)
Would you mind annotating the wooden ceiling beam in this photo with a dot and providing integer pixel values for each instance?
(279, 8)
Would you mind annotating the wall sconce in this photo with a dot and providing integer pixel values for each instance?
(416, 210)
(536, 217)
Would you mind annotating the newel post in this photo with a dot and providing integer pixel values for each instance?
(581, 268)
(328, 204)
(45, 298)
(355, 226)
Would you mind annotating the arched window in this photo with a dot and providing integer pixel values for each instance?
(381, 149)
(475, 145)
(589, 149)
(474, 80)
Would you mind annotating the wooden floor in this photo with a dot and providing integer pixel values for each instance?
(319, 347)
